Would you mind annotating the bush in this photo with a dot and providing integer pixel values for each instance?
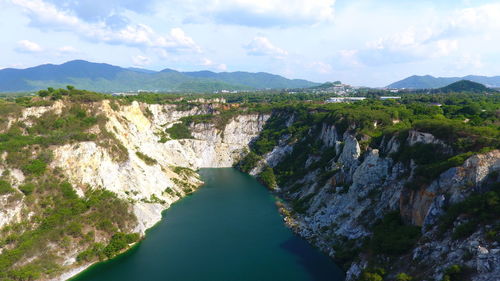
(454, 273)
(464, 230)
(367, 276)
(479, 208)
(35, 167)
(267, 177)
(5, 187)
(27, 189)
(148, 160)
(403, 277)
(118, 242)
(249, 162)
(392, 237)
(373, 274)
(179, 131)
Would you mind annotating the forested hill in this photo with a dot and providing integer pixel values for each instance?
(431, 82)
(108, 78)
(464, 86)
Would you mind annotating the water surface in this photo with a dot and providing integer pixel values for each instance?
(229, 230)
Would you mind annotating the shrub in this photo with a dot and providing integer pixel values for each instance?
(27, 188)
(479, 208)
(249, 162)
(5, 187)
(392, 237)
(367, 276)
(267, 177)
(373, 274)
(455, 272)
(118, 242)
(464, 230)
(179, 131)
(35, 167)
(148, 160)
(403, 277)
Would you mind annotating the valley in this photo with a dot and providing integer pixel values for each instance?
(387, 189)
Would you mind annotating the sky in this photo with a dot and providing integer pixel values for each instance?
(360, 42)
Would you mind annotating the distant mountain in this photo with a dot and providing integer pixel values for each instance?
(431, 82)
(464, 86)
(142, 70)
(108, 78)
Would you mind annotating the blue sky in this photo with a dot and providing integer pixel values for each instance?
(361, 42)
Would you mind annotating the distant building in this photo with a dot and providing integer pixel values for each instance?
(390, 98)
(344, 99)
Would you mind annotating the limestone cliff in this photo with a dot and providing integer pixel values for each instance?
(133, 157)
(337, 183)
(336, 204)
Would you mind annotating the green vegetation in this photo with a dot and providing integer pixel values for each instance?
(35, 167)
(62, 218)
(184, 172)
(464, 86)
(27, 188)
(392, 237)
(148, 160)
(455, 273)
(5, 187)
(179, 131)
(465, 124)
(477, 209)
(373, 121)
(71, 126)
(249, 161)
(373, 274)
(403, 277)
(118, 243)
(267, 177)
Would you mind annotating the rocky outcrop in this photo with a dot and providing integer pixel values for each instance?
(424, 206)
(88, 164)
(363, 186)
(329, 135)
(151, 185)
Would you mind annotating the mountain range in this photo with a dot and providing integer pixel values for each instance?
(109, 78)
(431, 82)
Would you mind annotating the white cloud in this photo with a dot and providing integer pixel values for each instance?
(261, 46)
(210, 64)
(95, 10)
(26, 46)
(140, 60)
(434, 40)
(265, 13)
(44, 15)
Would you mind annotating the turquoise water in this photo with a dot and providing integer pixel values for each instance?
(229, 230)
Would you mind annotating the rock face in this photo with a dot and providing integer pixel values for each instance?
(363, 186)
(153, 173)
(423, 207)
(89, 164)
(338, 201)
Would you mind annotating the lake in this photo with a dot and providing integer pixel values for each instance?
(228, 230)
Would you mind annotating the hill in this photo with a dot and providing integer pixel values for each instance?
(431, 82)
(464, 86)
(109, 78)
